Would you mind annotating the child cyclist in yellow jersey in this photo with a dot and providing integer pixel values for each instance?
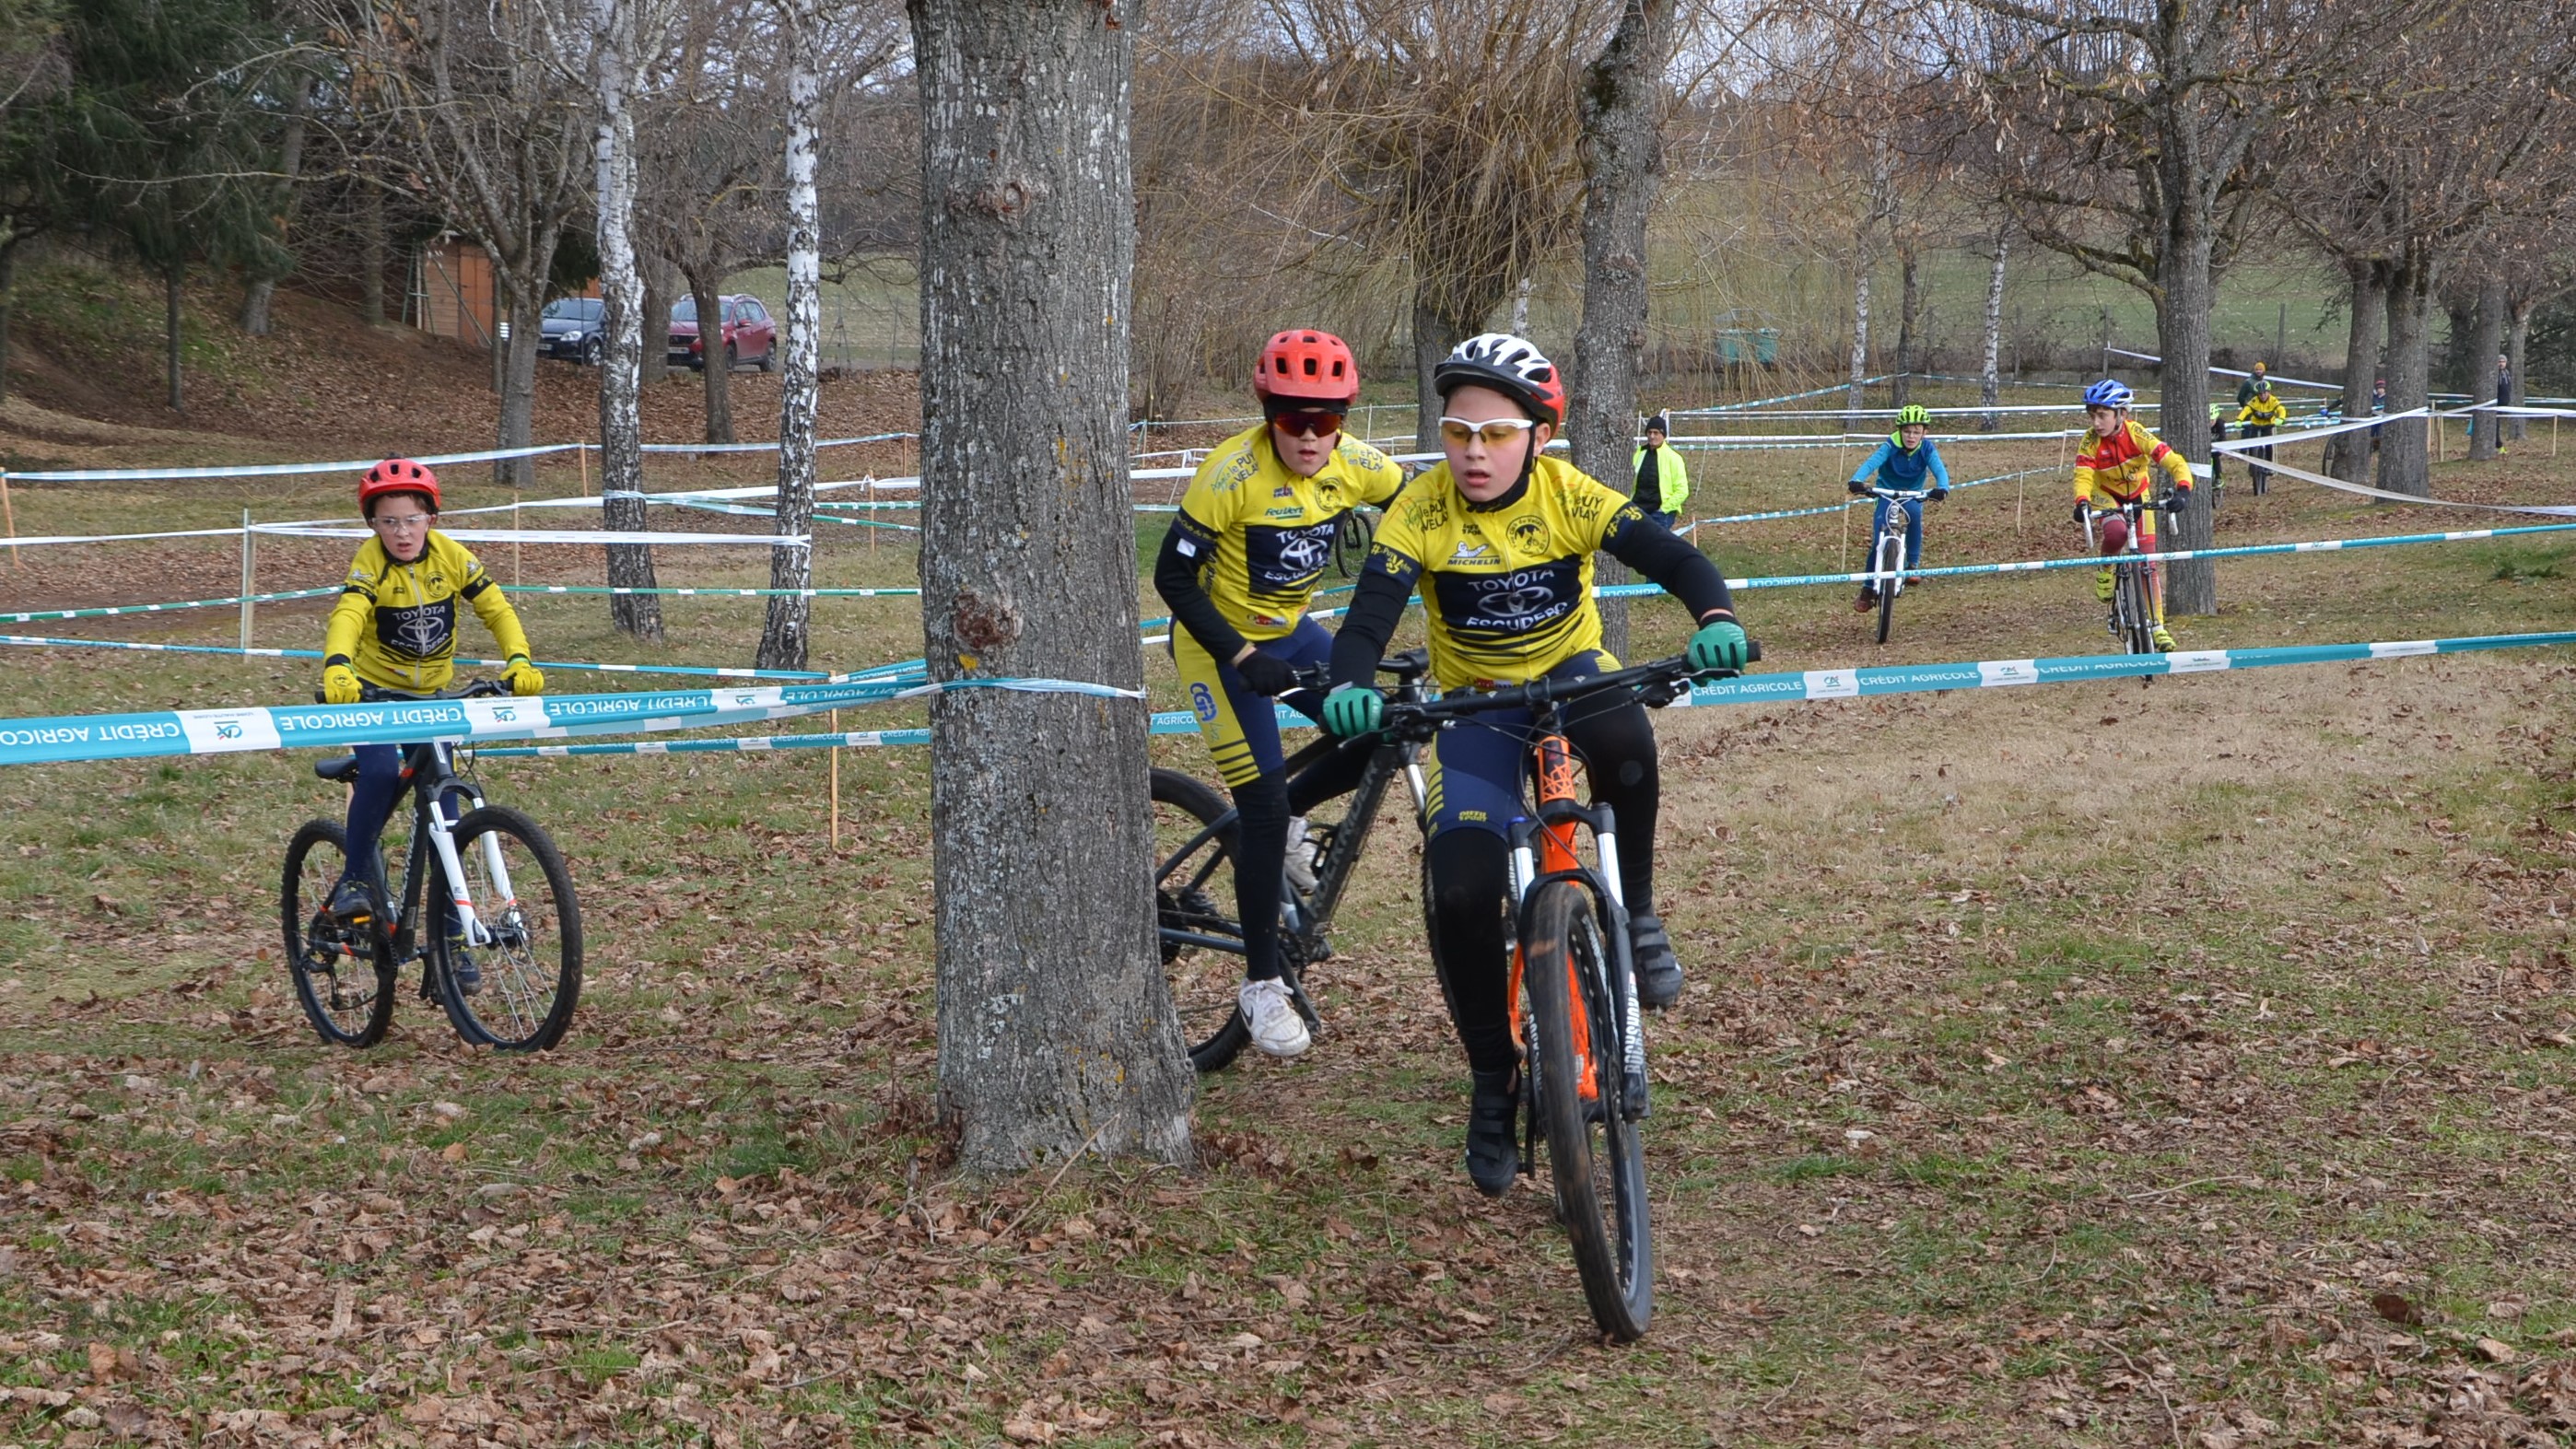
(1237, 570)
(2117, 463)
(1500, 540)
(395, 627)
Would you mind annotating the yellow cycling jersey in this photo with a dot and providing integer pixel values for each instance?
(1261, 535)
(1509, 589)
(2263, 410)
(2121, 466)
(395, 624)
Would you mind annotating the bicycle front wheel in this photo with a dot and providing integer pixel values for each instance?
(1194, 911)
(2137, 619)
(1593, 1153)
(1891, 558)
(344, 976)
(525, 981)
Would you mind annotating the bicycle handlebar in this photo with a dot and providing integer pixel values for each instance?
(1405, 718)
(378, 694)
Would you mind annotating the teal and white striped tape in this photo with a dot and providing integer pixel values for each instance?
(1814, 684)
(110, 611)
(64, 738)
(704, 671)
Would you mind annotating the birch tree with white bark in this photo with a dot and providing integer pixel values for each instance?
(783, 634)
(618, 44)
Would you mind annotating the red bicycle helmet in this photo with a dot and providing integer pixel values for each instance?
(397, 475)
(1509, 365)
(1306, 366)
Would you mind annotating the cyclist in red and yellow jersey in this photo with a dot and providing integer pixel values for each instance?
(2117, 463)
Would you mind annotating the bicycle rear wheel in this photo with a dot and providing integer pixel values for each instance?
(1351, 539)
(1194, 906)
(531, 971)
(1891, 558)
(1593, 1153)
(344, 977)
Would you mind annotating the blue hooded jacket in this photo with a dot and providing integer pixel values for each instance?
(1903, 468)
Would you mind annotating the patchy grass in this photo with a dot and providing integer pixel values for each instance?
(2108, 1064)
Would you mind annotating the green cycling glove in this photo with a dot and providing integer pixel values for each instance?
(1352, 710)
(1719, 644)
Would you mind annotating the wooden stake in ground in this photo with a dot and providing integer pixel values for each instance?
(514, 543)
(11, 514)
(249, 574)
(836, 786)
(582, 453)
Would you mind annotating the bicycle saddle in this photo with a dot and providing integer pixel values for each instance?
(338, 768)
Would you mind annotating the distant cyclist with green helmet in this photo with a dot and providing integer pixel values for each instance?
(1907, 462)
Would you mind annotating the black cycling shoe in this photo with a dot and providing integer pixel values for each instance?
(352, 904)
(1659, 971)
(1493, 1159)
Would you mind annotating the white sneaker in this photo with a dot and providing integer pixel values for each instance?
(1276, 1027)
(1301, 856)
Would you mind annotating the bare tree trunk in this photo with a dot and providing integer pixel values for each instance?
(2517, 348)
(2404, 458)
(2458, 368)
(371, 253)
(616, 41)
(1992, 390)
(1909, 298)
(9, 245)
(717, 377)
(290, 165)
(2182, 339)
(1622, 149)
(2348, 454)
(1431, 342)
(519, 379)
(783, 635)
(170, 280)
(1860, 343)
(1028, 567)
(661, 282)
(1520, 308)
(2486, 342)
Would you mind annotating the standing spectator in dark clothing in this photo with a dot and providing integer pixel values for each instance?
(1662, 484)
(2245, 390)
(2378, 405)
(2504, 395)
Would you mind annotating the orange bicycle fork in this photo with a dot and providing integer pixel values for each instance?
(1542, 850)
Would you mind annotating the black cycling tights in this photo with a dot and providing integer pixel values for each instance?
(1261, 853)
(1470, 876)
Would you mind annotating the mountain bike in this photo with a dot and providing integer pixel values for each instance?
(2133, 581)
(1351, 539)
(503, 954)
(1573, 986)
(1196, 837)
(1887, 558)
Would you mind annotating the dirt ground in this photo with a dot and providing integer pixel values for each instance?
(2182, 1063)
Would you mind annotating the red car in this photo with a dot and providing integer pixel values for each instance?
(749, 334)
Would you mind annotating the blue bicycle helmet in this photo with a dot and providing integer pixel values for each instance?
(2110, 392)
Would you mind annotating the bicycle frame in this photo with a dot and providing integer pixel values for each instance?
(1543, 850)
(1884, 579)
(430, 772)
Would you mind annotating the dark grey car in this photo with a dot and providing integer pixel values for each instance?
(572, 329)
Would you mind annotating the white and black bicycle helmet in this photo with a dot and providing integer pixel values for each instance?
(1510, 365)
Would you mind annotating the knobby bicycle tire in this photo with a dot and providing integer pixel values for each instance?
(344, 976)
(1351, 539)
(1593, 1154)
(2137, 616)
(526, 1002)
(1196, 894)
(1888, 586)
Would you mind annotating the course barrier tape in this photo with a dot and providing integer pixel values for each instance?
(713, 593)
(1854, 502)
(1778, 688)
(2333, 387)
(1764, 402)
(435, 460)
(66, 738)
(2091, 561)
(709, 671)
(2238, 447)
(549, 535)
(109, 611)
